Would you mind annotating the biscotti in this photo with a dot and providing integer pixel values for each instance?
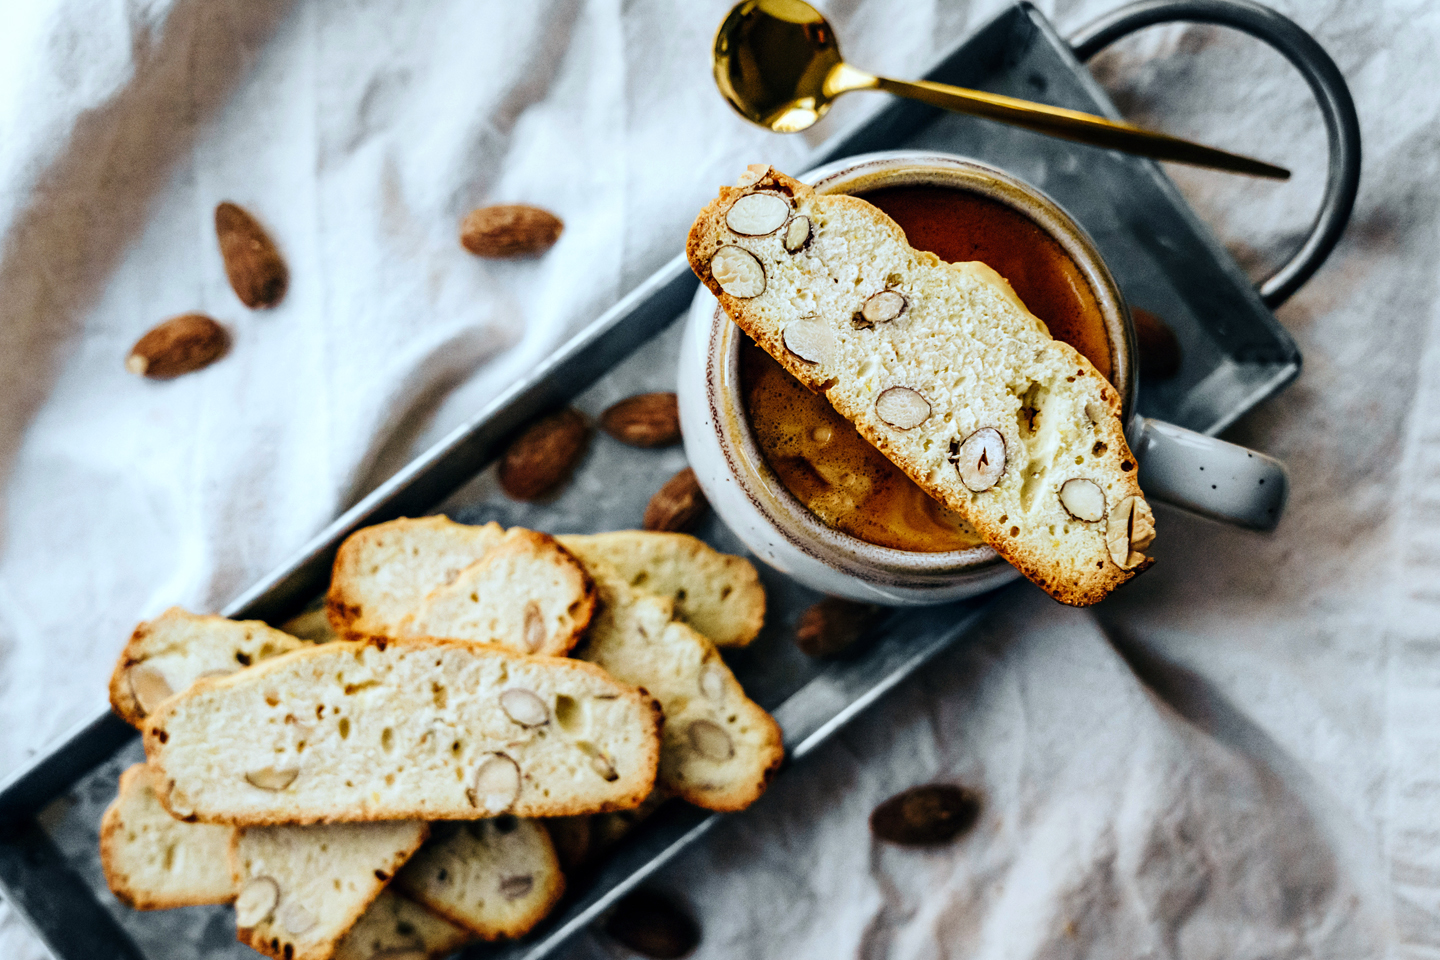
(943, 369)
(531, 595)
(396, 928)
(716, 593)
(152, 861)
(419, 728)
(497, 878)
(382, 573)
(167, 654)
(301, 889)
(720, 749)
(526, 594)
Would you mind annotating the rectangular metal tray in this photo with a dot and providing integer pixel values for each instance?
(1236, 355)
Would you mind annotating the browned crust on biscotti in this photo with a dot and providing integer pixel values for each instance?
(122, 699)
(742, 794)
(521, 925)
(346, 611)
(709, 232)
(156, 737)
(277, 948)
(110, 826)
(519, 538)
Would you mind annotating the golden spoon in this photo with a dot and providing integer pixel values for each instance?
(778, 64)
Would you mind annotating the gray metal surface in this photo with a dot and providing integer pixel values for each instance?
(1164, 259)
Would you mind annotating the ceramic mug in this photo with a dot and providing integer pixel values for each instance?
(1177, 466)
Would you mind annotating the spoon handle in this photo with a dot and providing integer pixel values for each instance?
(1081, 127)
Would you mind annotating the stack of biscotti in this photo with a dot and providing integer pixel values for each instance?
(720, 748)
(321, 767)
(943, 369)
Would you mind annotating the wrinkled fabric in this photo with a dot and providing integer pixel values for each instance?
(1232, 758)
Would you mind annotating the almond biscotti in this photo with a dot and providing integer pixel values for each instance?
(497, 878)
(396, 928)
(716, 593)
(167, 654)
(720, 748)
(521, 588)
(153, 861)
(419, 728)
(301, 889)
(942, 368)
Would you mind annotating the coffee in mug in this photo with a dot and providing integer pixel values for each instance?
(823, 460)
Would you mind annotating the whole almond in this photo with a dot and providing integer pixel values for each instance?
(509, 230)
(926, 815)
(644, 420)
(832, 627)
(543, 457)
(257, 273)
(181, 344)
(677, 505)
(653, 926)
(1157, 345)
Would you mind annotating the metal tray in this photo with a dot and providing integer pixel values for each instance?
(1235, 356)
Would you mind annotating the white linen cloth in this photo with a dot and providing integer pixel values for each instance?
(1242, 764)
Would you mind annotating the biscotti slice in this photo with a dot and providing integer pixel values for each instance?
(516, 587)
(167, 654)
(418, 728)
(497, 878)
(153, 861)
(719, 749)
(943, 369)
(397, 928)
(301, 889)
(527, 594)
(716, 593)
(382, 572)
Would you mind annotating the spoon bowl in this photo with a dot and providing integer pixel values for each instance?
(772, 61)
(778, 64)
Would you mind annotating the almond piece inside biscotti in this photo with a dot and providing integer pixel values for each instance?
(405, 729)
(497, 878)
(153, 861)
(301, 889)
(944, 370)
(165, 655)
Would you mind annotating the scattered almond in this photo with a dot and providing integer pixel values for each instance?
(677, 505)
(1157, 345)
(710, 740)
(257, 273)
(926, 815)
(524, 707)
(644, 420)
(181, 344)
(543, 457)
(832, 627)
(653, 926)
(509, 230)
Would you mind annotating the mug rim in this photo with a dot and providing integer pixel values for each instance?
(754, 476)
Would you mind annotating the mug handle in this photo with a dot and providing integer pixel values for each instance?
(1214, 478)
(1342, 126)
